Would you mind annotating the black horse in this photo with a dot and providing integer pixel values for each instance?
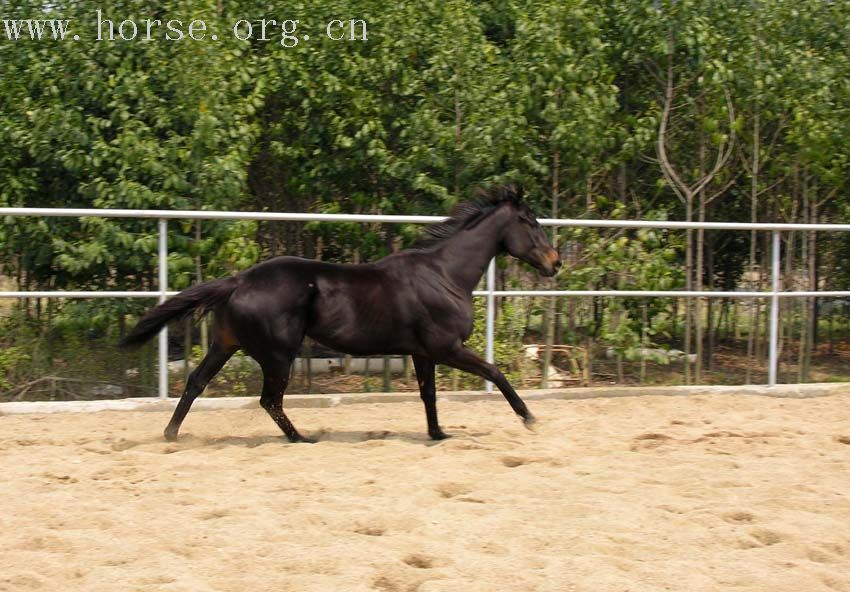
(416, 302)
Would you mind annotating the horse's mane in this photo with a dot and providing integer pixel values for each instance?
(467, 214)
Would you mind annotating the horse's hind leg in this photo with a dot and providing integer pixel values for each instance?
(198, 379)
(275, 380)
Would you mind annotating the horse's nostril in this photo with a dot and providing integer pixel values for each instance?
(557, 265)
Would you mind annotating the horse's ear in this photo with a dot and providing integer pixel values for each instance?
(513, 193)
(503, 193)
(518, 194)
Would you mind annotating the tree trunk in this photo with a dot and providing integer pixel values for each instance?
(786, 319)
(698, 271)
(754, 183)
(811, 303)
(802, 353)
(813, 270)
(644, 338)
(762, 323)
(736, 326)
(27, 301)
(710, 337)
(689, 286)
(551, 304)
(199, 278)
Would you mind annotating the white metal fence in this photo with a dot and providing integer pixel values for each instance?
(774, 294)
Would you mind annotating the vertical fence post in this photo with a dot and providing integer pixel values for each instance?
(491, 313)
(773, 362)
(163, 294)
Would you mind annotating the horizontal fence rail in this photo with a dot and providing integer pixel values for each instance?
(476, 293)
(398, 219)
(162, 216)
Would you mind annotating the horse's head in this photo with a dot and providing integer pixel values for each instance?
(524, 238)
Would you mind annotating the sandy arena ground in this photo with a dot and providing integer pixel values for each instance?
(696, 493)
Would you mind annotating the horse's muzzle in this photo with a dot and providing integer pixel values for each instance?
(553, 263)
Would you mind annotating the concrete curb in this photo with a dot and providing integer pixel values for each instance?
(795, 391)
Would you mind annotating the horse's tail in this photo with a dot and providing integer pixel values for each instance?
(204, 296)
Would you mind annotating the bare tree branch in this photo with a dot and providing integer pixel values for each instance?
(723, 190)
(724, 150)
(680, 189)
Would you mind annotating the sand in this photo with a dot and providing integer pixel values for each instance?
(693, 493)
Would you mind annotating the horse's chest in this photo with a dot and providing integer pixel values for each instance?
(467, 322)
(455, 316)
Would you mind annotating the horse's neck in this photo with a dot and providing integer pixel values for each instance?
(466, 255)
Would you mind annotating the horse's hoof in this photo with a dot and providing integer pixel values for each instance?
(171, 436)
(439, 435)
(528, 421)
(304, 439)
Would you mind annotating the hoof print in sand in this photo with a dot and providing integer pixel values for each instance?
(738, 517)
(649, 441)
(516, 461)
(450, 490)
(420, 561)
(214, 514)
(765, 538)
(375, 531)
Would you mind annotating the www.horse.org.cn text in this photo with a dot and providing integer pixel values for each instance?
(286, 32)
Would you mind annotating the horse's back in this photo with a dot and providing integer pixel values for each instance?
(289, 265)
(343, 306)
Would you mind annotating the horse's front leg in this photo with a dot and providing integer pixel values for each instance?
(467, 360)
(428, 392)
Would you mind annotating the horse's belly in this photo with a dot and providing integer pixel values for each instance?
(363, 344)
(360, 329)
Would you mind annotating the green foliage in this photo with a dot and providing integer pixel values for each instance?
(508, 351)
(562, 96)
(239, 375)
(646, 259)
(10, 360)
